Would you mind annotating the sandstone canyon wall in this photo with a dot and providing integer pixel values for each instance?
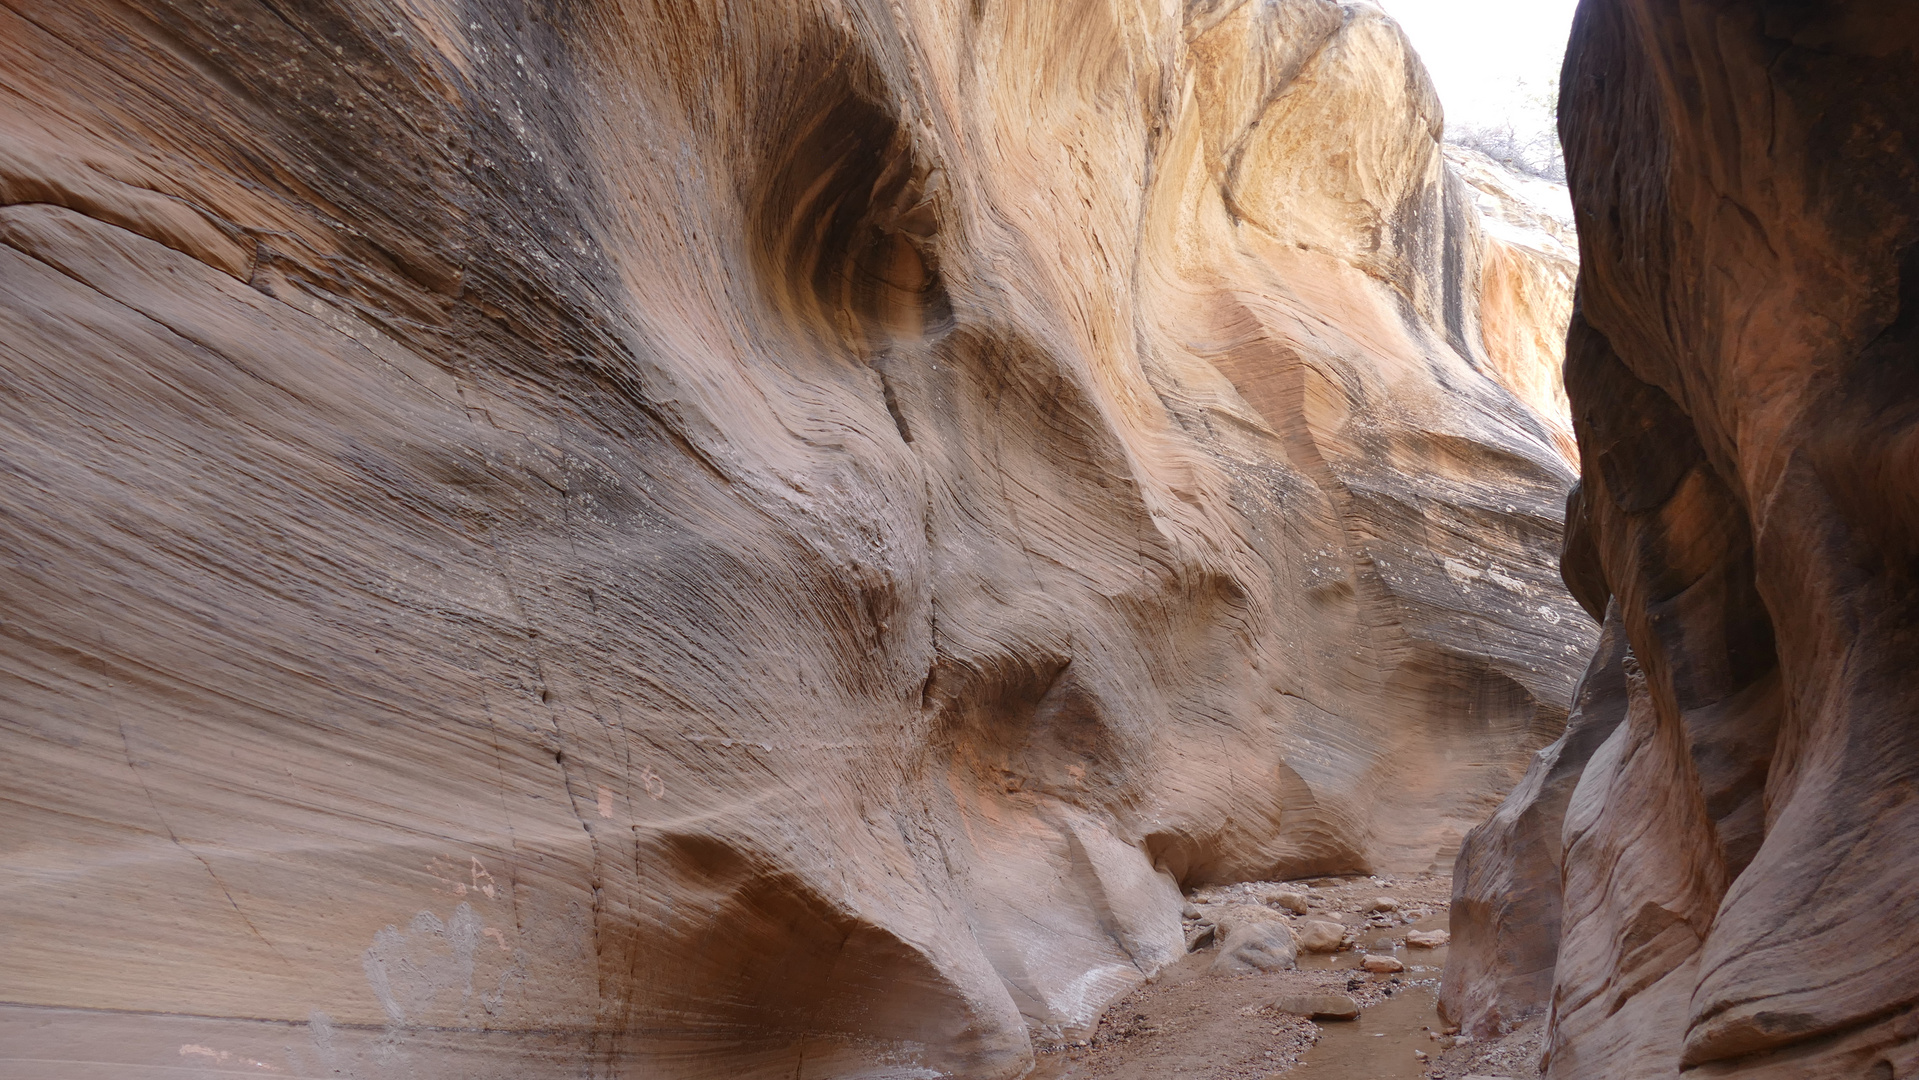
(1526, 284)
(728, 539)
(1714, 873)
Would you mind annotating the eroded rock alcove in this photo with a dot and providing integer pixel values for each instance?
(733, 539)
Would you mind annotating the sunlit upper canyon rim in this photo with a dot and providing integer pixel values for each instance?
(955, 538)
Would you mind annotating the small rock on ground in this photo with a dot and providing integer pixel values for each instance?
(1320, 936)
(1291, 901)
(1254, 938)
(1319, 1006)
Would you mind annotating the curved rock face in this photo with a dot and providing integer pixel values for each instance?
(727, 539)
(1526, 284)
(1506, 909)
(1737, 855)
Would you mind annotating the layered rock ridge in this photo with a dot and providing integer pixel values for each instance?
(727, 539)
(1713, 874)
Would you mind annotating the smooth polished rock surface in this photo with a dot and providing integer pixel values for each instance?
(1738, 852)
(727, 539)
(1507, 887)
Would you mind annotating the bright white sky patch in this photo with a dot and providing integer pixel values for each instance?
(1495, 62)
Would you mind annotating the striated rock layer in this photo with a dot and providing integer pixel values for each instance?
(728, 539)
(1740, 887)
(1525, 284)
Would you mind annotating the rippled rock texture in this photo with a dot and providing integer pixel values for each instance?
(727, 539)
(1738, 854)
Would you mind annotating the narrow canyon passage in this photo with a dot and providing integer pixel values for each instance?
(1360, 1002)
(1326, 1016)
(895, 539)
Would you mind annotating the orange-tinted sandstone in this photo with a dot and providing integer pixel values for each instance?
(1740, 888)
(728, 539)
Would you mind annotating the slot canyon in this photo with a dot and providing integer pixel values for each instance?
(684, 539)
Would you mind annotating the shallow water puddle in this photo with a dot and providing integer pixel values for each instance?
(1380, 1044)
(1377, 1046)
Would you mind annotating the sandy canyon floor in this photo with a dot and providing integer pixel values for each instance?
(1197, 1024)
